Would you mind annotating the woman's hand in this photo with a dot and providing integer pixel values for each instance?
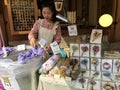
(33, 42)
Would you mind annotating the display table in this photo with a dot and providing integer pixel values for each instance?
(25, 74)
(49, 83)
(27, 78)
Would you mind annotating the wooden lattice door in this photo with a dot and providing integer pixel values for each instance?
(21, 15)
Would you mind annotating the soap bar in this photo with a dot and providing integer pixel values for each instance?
(21, 47)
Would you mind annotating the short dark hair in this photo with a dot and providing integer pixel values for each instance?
(51, 6)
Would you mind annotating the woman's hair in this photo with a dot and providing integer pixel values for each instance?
(51, 6)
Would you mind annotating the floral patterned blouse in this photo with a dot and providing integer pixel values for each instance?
(35, 29)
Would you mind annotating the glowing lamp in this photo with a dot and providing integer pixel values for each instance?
(105, 20)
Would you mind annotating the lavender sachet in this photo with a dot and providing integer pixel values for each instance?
(8, 49)
(27, 56)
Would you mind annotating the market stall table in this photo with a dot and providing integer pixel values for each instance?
(50, 83)
(25, 74)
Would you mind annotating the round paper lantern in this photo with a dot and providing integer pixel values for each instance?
(105, 20)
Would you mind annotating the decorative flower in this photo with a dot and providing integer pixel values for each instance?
(108, 74)
(96, 35)
(84, 62)
(82, 81)
(95, 74)
(117, 76)
(82, 71)
(108, 86)
(117, 65)
(95, 50)
(95, 62)
(74, 48)
(106, 65)
(92, 82)
(84, 49)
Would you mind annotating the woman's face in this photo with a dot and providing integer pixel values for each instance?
(47, 13)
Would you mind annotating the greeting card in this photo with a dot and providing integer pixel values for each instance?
(84, 63)
(116, 65)
(117, 86)
(95, 50)
(9, 83)
(81, 83)
(72, 29)
(74, 49)
(117, 77)
(108, 86)
(94, 85)
(95, 75)
(55, 47)
(108, 76)
(84, 50)
(107, 65)
(96, 64)
(96, 36)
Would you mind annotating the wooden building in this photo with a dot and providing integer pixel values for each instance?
(18, 16)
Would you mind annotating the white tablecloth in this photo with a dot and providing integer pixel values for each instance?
(48, 83)
(25, 74)
(27, 78)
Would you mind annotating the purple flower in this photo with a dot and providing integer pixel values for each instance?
(84, 48)
(95, 61)
(24, 57)
(95, 49)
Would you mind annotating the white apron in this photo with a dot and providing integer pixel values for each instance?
(47, 34)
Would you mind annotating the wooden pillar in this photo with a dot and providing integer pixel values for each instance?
(2, 23)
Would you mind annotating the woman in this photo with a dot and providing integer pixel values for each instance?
(46, 28)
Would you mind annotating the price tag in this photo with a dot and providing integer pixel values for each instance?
(55, 47)
(42, 42)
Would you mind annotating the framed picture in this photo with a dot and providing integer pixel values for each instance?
(74, 49)
(96, 85)
(95, 64)
(96, 75)
(81, 83)
(84, 63)
(107, 65)
(96, 36)
(95, 50)
(84, 50)
(72, 29)
(58, 5)
(116, 65)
